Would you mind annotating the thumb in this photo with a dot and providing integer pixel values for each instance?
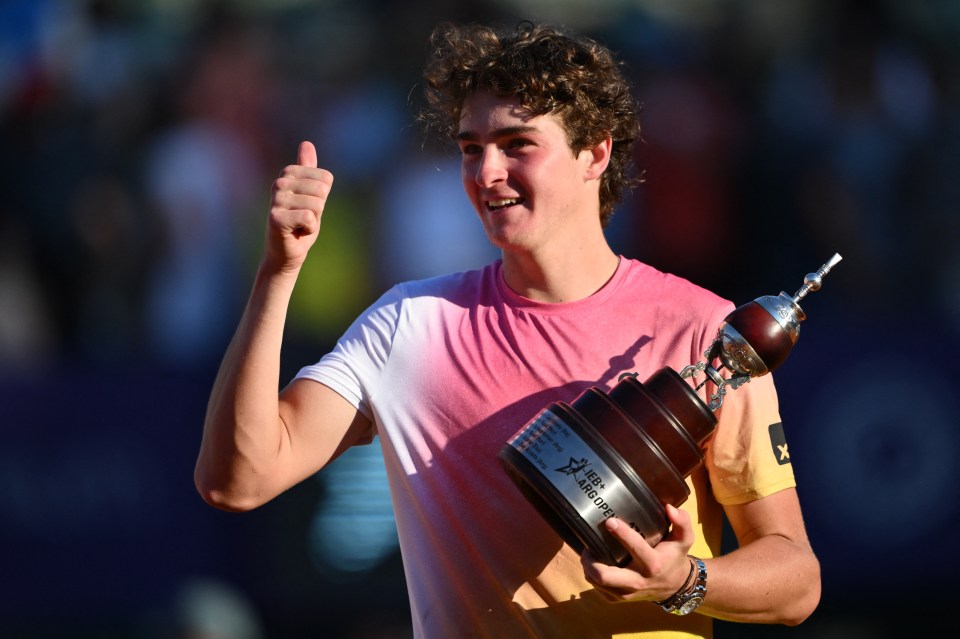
(307, 155)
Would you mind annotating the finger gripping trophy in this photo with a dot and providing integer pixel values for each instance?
(627, 453)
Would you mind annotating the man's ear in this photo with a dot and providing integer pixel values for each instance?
(598, 158)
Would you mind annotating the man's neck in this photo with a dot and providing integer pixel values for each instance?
(557, 276)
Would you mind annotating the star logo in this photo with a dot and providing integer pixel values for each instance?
(574, 467)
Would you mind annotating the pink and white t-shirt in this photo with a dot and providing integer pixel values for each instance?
(449, 369)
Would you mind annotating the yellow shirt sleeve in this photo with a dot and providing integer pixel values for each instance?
(748, 457)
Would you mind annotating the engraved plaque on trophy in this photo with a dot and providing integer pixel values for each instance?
(627, 452)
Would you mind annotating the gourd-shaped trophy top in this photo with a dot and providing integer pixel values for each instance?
(757, 337)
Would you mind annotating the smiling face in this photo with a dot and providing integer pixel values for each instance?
(522, 177)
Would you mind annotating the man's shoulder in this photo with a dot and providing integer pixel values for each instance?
(671, 288)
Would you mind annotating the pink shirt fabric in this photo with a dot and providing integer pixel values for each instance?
(449, 369)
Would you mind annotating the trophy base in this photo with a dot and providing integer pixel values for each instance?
(624, 454)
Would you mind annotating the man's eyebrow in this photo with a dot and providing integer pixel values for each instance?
(503, 132)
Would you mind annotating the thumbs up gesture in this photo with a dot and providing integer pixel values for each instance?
(299, 196)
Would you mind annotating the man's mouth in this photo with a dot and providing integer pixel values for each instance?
(496, 205)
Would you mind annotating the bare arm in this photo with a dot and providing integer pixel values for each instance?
(255, 444)
(773, 577)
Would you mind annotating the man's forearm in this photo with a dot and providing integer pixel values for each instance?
(771, 580)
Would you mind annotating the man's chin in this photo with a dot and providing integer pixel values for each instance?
(505, 235)
(505, 241)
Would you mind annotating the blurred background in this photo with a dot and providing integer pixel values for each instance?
(138, 142)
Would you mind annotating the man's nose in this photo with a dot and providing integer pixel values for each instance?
(491, 168)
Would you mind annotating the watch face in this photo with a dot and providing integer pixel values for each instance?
(690, 605)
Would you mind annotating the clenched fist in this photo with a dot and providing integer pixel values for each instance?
(299, 195)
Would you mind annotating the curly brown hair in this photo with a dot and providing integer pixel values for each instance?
(550, 71)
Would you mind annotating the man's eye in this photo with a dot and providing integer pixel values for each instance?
(469, 149)
(518, 143)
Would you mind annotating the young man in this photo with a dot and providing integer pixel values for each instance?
(446, 370)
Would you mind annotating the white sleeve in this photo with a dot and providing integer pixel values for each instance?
(355, 366)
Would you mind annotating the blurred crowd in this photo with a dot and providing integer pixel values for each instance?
(139, 140)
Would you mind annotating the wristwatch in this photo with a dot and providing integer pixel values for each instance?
(687, 600)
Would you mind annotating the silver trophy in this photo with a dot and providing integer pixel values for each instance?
(627, 453)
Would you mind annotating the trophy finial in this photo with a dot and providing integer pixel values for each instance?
(813, 281)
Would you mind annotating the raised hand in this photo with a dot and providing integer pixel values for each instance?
(299, 196)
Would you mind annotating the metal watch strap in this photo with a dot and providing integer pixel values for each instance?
(690, 600)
